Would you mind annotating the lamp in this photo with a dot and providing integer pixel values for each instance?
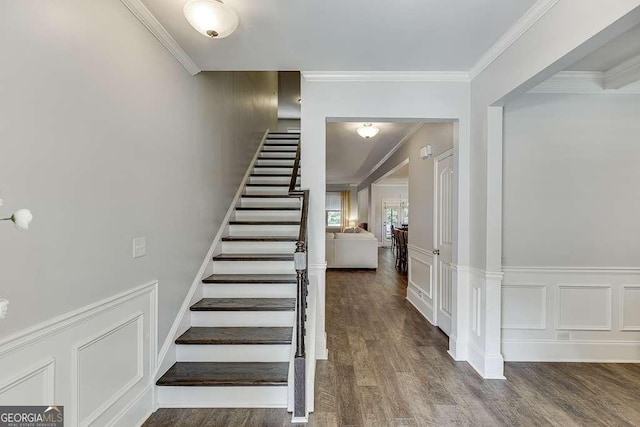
(367, 130)
(211, 18)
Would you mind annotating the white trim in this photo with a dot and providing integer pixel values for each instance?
(48, 368)
(420, 251)
(197, 281)
(386, 76)
(623, 327)
(521, 26)
(418, 303)
(560, 327)
(572, 270)
(585, 82)
(137, 410)
(147, 19)
(138, 319)
(61, 323)
(585, 351)
(623, 75)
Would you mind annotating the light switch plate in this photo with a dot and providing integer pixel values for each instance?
(139, 247)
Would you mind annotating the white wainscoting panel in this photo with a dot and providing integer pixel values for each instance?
(584, 307)
(630, 308)
(98, 361)
(524, 306)
(571, 314)
(420, 290)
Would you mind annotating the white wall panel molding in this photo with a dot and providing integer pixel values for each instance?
(386, 76)
(42, 374)
(420, 282)
(524, 306)
(526, 21)
(629, 304)
(585, 82)
(588, 314)
(147, 19)
(584, 307)
(99, 360)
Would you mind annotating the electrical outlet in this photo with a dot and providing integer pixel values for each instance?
(139, 247)
(563, 335)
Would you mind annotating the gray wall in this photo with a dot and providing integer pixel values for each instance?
(571, 174)
(106, 137)
(440, 136)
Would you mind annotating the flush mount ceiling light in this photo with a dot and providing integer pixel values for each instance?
(211, 18)
(367, 130)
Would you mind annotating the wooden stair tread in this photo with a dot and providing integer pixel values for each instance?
(278, 158)
(253, 257)
(275, 166)
(277, 175)
(260, 184)
(266, 196)
(251, 278)
(245, 304)
(264, 222)
(236, 336)
(266, 208)
(226, 374)
(259, 239)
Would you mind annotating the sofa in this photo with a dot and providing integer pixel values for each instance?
(352, 250)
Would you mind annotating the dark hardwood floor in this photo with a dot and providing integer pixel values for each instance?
(388, 367)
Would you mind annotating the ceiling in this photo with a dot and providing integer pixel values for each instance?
(398, 177)
(350, 158)
(611, 54)
(339, 35)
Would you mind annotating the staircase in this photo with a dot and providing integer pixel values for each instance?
(238, 349)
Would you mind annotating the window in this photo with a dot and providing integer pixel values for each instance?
(333, 210)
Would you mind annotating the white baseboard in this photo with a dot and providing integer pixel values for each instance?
(489, 367)
(458, 349)
(137, 411)
(167, 355)
(572, 351)
(322, 353)
(420, 305)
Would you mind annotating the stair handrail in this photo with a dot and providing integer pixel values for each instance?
(301, 262)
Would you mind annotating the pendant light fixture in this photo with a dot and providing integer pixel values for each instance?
(211, 18)
(367, 130)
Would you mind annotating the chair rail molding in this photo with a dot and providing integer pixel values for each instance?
(150, 22)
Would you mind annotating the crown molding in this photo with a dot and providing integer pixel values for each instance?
(386, 76)
(147, 19)
(521, 26)
(623, 75)
(581, 82)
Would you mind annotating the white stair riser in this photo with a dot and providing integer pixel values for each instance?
(253, 267)
(264, 230)
(258, 247)
(279, 152)
(242, 318)
(222, 397)
(275, 171)
(281, 141)
(249, 290)
(289, 148)
(272, 162)
(233, 353)
(271, 180)
(264, 215)
(283, 191)
(284, 202)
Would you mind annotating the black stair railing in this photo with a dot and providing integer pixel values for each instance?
(301, 259)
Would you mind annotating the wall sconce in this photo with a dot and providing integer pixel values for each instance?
(426, 152)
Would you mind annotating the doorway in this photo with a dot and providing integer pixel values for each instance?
(395, 213)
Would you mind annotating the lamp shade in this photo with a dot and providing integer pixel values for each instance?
(367, 130)
(211, 18)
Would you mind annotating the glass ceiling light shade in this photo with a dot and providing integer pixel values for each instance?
(211, 18)
(367, 130)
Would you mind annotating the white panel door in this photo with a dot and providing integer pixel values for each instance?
(443, 236)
